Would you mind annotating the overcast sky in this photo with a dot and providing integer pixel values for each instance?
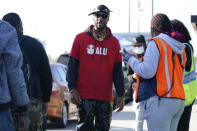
(57, 22)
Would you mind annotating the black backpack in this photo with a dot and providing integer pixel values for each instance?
(26, 68)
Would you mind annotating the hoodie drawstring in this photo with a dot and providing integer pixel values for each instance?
(94, 49)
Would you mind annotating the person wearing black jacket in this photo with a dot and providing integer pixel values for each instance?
(184, 120)
(40, 83)
(95, 63)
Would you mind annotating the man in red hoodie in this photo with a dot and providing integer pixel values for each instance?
(95, 64)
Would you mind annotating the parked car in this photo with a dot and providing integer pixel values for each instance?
(60, 108)
(63, 58)
(128, 96)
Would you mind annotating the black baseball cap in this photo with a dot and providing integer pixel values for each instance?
(138, 39)
(101, 8)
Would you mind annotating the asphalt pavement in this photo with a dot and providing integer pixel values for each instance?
(125, 120)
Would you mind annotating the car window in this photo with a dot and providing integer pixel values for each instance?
(63, 59)
(60, 74)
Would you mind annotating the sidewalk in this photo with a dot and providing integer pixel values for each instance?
(125, 120)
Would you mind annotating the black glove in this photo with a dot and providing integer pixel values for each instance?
(126, 55)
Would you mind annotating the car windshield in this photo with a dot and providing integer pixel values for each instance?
(60, 74)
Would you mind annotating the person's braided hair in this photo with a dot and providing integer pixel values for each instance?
(161, 23)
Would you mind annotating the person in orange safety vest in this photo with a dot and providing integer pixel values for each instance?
(159, 90)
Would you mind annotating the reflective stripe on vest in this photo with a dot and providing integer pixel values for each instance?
(166, 68)
(190, 75)
(190, 82)
(169, 80)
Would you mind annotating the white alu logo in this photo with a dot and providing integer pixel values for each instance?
(99, 50)
(90, 49)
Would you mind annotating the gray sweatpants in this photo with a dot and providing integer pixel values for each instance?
(163, 114)
(139, 119)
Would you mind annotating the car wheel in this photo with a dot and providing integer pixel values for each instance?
(64, 120)
(64, 115)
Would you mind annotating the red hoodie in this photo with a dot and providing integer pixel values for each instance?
(96, 63)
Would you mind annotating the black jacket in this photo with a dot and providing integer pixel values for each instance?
(41, 77)
(188, 56)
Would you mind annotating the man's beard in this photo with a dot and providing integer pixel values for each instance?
(101, 28)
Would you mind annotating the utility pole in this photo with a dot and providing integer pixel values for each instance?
(152, 7)
(129, 16)
(140, 12)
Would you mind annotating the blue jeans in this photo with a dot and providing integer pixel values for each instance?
(6, 123)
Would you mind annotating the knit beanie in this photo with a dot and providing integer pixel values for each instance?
(161, 23)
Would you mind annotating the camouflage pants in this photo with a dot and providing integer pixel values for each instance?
(35, 115)
(94, 115)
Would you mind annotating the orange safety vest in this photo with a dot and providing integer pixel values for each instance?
(138, 82)
(169, 75)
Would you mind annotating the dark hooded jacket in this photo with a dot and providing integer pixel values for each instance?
(41, 78)
(12, 84)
